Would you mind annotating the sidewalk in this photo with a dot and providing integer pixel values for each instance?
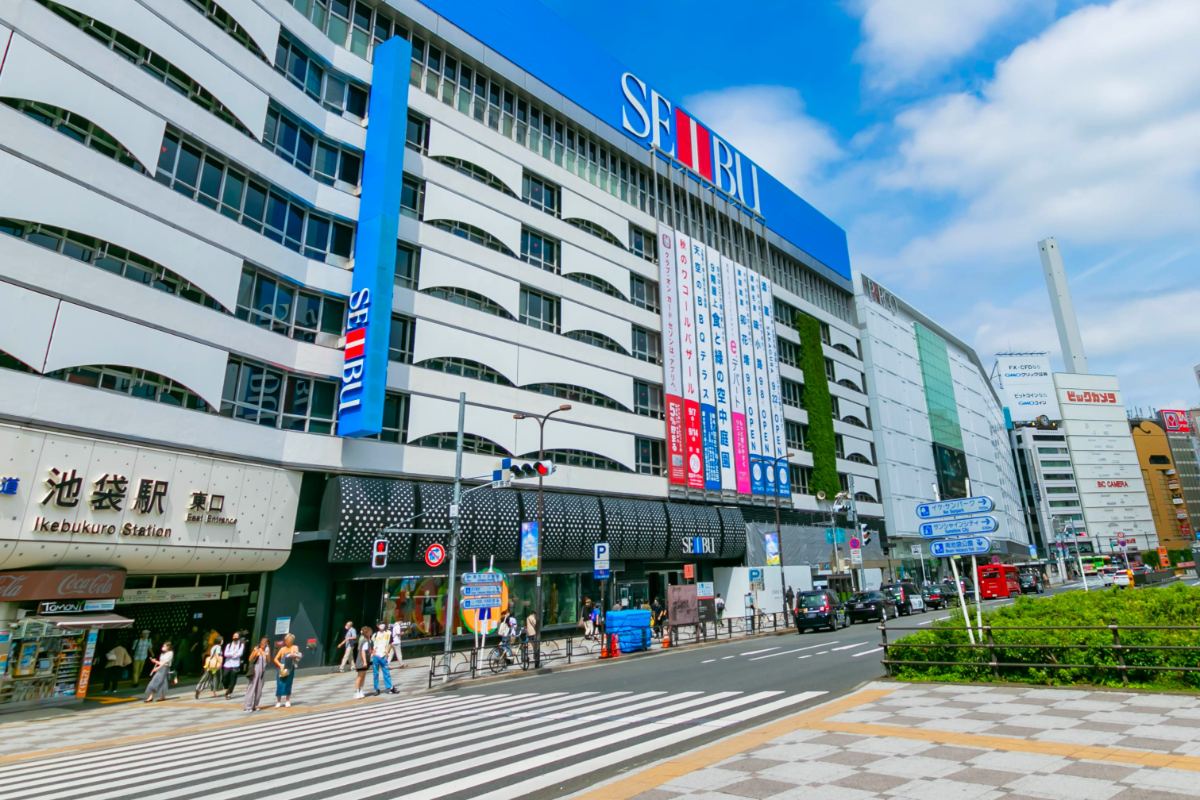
(937, 742)
(122, 716)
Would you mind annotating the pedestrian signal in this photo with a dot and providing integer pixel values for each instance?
(379, 554)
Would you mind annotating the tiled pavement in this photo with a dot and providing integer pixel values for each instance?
(935, 742)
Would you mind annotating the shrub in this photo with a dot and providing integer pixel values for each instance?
(1091, 651)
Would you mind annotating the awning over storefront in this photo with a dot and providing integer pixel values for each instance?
(88, 621)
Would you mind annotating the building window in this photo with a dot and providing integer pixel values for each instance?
(476, 172)
(1055, 464)
(539, 250)
(647, 345)
(1060, 489)
(785, 314)
(139, 383)
(829, 373)
(285, 308)
(839, 445)
(649, 458)
(1063, 503)
(789, 352)
(412, 197)
(400, 339)
(408, 266)
(1059, 476)
(395, 419)
(576, 393)
(149, 61)
(539, 310)
(596, 340)
(76, 127)
(795, 435)
(472, 443)
(540, 193)
(331, 89)
(308, 151)
(643, 244)
(352, 24)
(467, 369)
(793, 393)
(643, 292)
(109, 257)
(417, 134)
(1053, 451)
(648, 399)
(196, 172)
(223, 20)
(582, 458)
(472, 234)
(592, 282)
(266, 396)
(469, 299)
(801, 478)
(587, 226)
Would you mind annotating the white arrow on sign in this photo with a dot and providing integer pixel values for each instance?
(953, 508)
(481, 577)
(971, 546)
(961, 526)
(491, 601)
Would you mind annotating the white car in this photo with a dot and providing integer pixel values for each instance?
(1122, 579)
(1106, 576)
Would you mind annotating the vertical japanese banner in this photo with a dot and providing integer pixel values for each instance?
(720, 349)
(737, 389)
(749, 380)
(765, 446)
(704, 360)
(672, 370)
(775, 392)
(693, 447)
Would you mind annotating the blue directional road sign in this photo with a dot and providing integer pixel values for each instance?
(959, 526)
(970, 546)
(830, 533)
(481, 577)
(600, 561)
(491, 601)
(954, 508)
(480, 590)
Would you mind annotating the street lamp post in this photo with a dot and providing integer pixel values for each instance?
(779, 529)
(541, 507)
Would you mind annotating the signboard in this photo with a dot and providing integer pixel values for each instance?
(61, 584)
(1163, 559)
(771, 545)
(600, 561)
(704, 357)
(698, 545)
(916, 551)
(171, 594)
(283, 626)
(721, 366)
(705, 590)
(756, 579)
(780, 479)
(856, 555)
(970, 546)
(1033, 551)
(689, 572)
(672, 364)
(75, 606)
(832, 534)
(682, 605)
(961, 526)
(1175, 420)
(980, 504)
(1026, 383)
(481, 589)
(435, 554)
(529, 546)
(85, 671)
(474, 603)
(685, 286)
(746, 351)
(482, 577)
(369, 318)
(737, 389)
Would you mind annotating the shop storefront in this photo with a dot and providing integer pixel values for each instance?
(50, 622)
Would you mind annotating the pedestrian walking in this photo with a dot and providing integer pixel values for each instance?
(212, 664)
(143, 648)
(258, 674)
(531, 626)
(231, 663)
(349, 642)
(115, 662)
(588, 618)
(720, 604)
(160, 675)
(789, 596)
(655, 614)
(750, 610)
(287, 658)
(397, 651)
(381, 653)
(362, 661)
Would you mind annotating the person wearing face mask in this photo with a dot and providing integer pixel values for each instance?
(160, 676)
(231, 663)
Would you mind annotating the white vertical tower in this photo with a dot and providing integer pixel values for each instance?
(1064, 309)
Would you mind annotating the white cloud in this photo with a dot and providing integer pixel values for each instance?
(769, 124)
(905, 40)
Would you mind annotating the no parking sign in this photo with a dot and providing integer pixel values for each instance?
(435, 554)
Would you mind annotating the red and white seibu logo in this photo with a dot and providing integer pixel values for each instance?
(676, 133)
(355, 352)
(1104, 398)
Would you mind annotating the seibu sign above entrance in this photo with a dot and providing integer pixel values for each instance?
(61, 584)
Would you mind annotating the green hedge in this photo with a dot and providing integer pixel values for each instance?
(1175, 604)
(821, 442)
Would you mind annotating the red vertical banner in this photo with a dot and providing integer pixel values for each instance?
(672, 370)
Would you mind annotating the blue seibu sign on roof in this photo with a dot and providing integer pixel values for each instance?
(538, 41)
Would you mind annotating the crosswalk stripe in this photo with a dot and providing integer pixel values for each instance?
(850, 646)
(576, 768)
(278, 753)
(797, 650)
(866, 652)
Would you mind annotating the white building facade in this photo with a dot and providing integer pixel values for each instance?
(206, 187)
(939, 423)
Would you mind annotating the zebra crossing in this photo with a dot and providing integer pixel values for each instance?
(440, 746)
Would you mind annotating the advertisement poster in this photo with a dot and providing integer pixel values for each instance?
(749, 377)
(529, 546)
(704, 357)
(692, 427)
(771, 541)
(716, 303)
(672, 368)
(737, 390)
(85, 672)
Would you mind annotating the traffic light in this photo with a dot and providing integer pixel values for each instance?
(532, 469)
(379, 554)
(864, 533)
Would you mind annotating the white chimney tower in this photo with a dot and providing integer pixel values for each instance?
(1064, 309)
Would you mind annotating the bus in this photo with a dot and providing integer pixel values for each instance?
(998, 580)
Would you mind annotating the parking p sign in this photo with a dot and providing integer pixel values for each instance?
(600, 562)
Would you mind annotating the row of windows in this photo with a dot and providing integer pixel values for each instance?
(577, 394)
(108, 257)
(471, 234)
(150, 62)
(76, 127)
(467, 368)
(194, 171)
(648, 399)
(597, 340)
(592, 282)
(468, 299)
(349, 24)
(138, 383)
(225, 21)
(476, 172)
(312, 153)
(268, 302)
(1059, 476)
(329, 88)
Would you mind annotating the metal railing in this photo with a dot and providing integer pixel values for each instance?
(1114, 653)
(455, 663)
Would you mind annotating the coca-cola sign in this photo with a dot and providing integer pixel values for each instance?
(61, 584)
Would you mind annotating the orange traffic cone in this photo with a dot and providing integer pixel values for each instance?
(614, 646)
(666, 642)
(604, 647)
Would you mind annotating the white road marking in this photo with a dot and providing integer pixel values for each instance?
(866, 652)
(850, 646)
(756, 652)
(797, 650)
(927, 622)
(708, 661)
(726, 658)
(823, 652)
(807, 656)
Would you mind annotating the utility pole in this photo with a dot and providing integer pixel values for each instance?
(779, 531)
(454, 515)
(541, 509)
(853, 515)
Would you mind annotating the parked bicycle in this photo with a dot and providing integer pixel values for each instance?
(500, 656)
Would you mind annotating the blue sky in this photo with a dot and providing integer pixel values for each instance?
(947, 137)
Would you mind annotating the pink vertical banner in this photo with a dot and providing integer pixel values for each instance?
(741, 454)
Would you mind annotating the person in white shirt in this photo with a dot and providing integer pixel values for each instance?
(397, 631)
(381, 651)
(231, 664)
(160, 676)
(143, 648)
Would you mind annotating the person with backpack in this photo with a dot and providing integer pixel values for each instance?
(231, 663)
(720, 603)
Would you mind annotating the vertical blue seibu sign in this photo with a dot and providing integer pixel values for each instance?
(369, 320)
